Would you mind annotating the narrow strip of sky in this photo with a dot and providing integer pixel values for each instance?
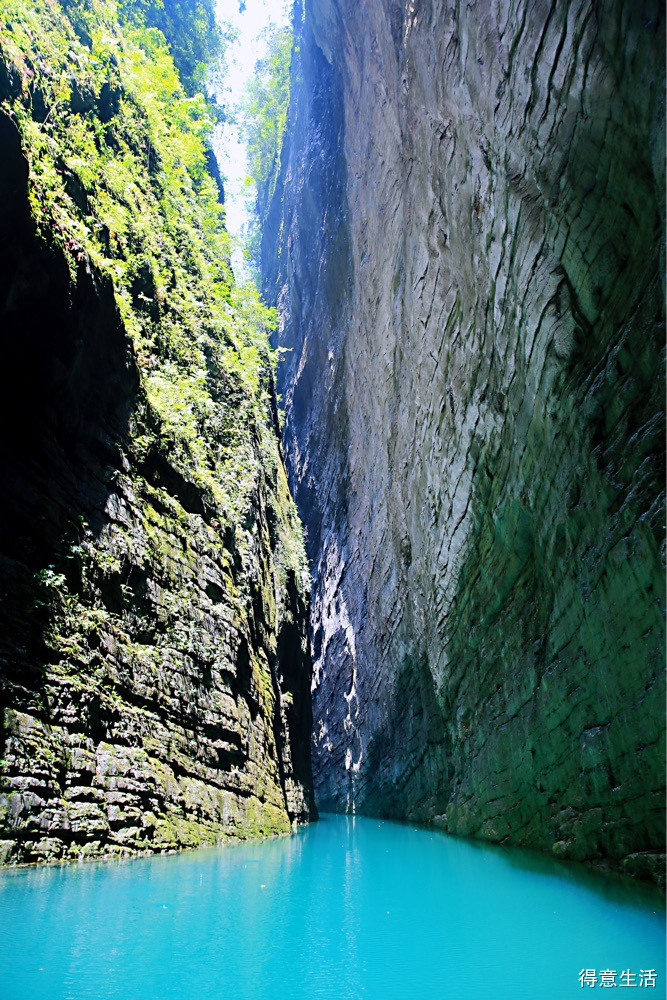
(250, 19)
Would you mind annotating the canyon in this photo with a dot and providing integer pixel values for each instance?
(466, 246)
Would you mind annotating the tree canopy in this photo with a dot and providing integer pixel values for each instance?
(264, 112)
(190, 27)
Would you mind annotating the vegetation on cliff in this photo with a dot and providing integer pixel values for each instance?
(265, 112)
(198, 554)
(263, 117)
(117, 152)
(196, 40)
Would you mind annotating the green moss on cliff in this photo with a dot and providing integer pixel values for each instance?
(159, 604)
(118, 177)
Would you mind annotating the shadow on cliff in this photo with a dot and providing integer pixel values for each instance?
(68, 387)
(295, 664)
(309, 261)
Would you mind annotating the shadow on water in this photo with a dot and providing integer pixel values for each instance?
(609, 885)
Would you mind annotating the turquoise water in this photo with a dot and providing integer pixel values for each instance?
(347, 909)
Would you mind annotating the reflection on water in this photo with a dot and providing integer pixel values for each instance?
(613, 886)
(350, 908)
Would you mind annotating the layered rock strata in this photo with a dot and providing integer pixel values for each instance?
(154, 666)
(470, 240)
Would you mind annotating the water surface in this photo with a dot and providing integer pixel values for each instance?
(350, 908)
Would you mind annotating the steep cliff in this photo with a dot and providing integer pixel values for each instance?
(469, 243)
(154, 667)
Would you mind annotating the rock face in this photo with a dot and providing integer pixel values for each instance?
(468, 272)
(154, 666)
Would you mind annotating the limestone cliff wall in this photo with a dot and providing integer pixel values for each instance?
(154, 666)
(470, 284)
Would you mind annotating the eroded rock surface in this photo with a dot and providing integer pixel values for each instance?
(154, 666)
(470, 282)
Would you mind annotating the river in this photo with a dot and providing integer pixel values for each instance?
(349, 908)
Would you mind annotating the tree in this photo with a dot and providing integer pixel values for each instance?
(191, 29)
(264, 113)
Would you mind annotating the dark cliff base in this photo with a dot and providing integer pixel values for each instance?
(154, 667)
(470, 277)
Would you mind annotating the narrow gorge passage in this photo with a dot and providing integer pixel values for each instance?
(453, 535)
(332, 499)
(466, 246)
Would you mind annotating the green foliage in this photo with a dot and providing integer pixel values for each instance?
(190, 28)
(116, 147)
(50, 586)
(264, 113)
